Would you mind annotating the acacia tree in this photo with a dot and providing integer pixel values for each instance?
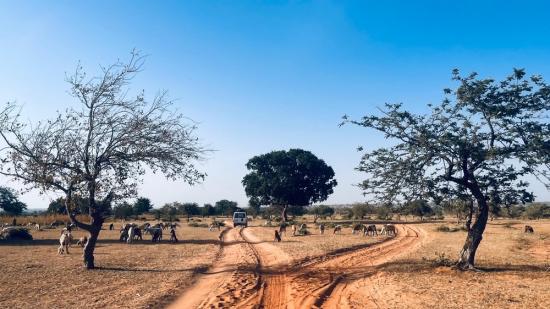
(482, 139)
(99, 149)
(288, 178)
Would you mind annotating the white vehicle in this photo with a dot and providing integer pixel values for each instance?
(239, 218)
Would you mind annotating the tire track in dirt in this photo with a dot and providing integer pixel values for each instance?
(274, 266)
(233, 280)
(255, 274)
(331, 283)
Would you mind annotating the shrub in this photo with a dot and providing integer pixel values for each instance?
(441, 259)
(446, 229)
(15, 234)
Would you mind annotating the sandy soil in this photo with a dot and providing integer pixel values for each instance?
(253, 273)
(302, 248)
(140, 275)
(515, 272)
(250, 270)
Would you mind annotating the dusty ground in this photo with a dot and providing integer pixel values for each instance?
(250, 270)
(516, 271)
(129, 276)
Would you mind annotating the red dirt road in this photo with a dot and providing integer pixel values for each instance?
(254, 274)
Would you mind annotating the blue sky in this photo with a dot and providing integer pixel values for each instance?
(261, 76)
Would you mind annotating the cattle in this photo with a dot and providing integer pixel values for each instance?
(356, 228)
(528, 229)
(337, 229)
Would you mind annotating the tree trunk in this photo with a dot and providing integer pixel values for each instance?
(475, 235)
(284, 214)
(88, 254)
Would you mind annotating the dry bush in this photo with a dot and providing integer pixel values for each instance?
(14, 234)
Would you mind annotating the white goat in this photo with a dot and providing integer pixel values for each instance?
(64, 242)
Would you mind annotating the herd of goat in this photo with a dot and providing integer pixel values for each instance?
(129, 232)
(366, 230)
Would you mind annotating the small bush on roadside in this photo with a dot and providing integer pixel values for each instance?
(195, 224)
(446, 229)
(441, 259)
(15, 234)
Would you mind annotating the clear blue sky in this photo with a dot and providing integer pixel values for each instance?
(267, 76)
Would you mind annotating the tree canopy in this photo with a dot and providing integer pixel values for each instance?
(142, 205)
(225, 207)
(288, 178)
(482, 139)
(10, 203)
(99, 148)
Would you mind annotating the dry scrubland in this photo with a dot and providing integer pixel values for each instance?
(516, 268)
(515, 271)
(130, 276)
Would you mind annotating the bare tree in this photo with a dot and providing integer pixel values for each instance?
(101, 148)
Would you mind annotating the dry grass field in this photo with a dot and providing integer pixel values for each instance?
(138, 275)
(409, 271)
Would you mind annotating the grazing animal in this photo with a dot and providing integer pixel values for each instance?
(214, 225)
(82, 241)
(294, 230)
(529, 229)
(389, 229)
(173, 237)
(322, 229)
(356, 228)
(137, 234)
(156, 233)
(303, 229)
(277, 236)
(338, 229)
(131, 234)
(37, 226)
(370, 229)
(282, 228)
(111, 227)
(123, 235)
(64, 242)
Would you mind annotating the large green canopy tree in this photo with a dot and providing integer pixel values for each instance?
(288, 178)
(482, 139)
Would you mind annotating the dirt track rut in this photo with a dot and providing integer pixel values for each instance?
(254, 274)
